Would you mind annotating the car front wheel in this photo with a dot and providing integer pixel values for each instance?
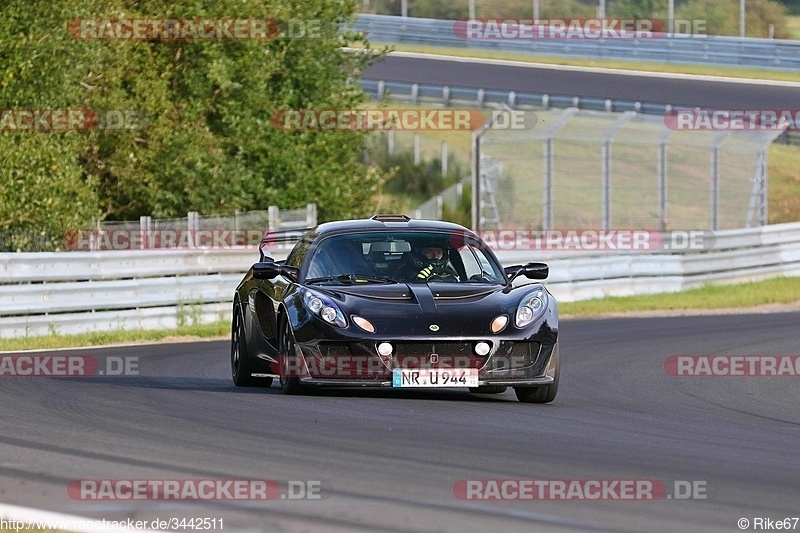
(543, 393)
(287, 353)
(240, 365)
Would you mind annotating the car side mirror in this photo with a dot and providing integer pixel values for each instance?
(529, 270)
(266, 270)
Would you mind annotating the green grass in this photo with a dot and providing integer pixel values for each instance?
(793, 24)
(205, 331)
(774, 291)
(731, 72)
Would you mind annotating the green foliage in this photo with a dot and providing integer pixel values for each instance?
(722, 17)
(207, 145)
(415, 183)
(460, 213)
(459, 9)
(638, 9)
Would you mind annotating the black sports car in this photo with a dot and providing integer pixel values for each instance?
(395, 302)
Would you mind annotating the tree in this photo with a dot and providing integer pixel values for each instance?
(207, 144)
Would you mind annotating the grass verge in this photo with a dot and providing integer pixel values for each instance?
(204, 331)
(773, 291)
(729, 72)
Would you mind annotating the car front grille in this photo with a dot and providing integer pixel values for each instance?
(427, 348)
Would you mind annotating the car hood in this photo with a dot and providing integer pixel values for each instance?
(451, 310)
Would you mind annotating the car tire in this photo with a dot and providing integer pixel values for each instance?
(543, 393)
(488, 389)
(241, 372)
(287, 350)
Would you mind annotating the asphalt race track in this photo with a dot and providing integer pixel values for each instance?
(676, 91)
(388, 461)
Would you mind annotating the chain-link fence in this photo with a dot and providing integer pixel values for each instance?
(579, 169)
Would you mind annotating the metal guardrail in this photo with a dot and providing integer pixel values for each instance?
(420, 94)
(698, 50)
(69, 293)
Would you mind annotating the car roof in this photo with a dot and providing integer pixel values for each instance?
(386, 223)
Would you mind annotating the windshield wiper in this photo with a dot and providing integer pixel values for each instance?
(352, 278)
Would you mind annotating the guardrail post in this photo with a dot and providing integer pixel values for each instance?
(415, 94)
(381, 90)
(390, 142)
(481, 98)
(512, 99)
(446, 95)
(416, 149)
(545, 101)
(439, 204)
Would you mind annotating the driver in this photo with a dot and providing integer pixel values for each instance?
(429, 260)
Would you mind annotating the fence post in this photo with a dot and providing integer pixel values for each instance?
(714, 188)
(416, 149)
(311, 215)
(547, 207)
(274, 218)
(144, 232)
(444, 158)
(605, 152)
(763, 212)
(390, 142)
(662, 187)
(476, 180)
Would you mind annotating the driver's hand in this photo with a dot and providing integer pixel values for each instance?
(425, 273)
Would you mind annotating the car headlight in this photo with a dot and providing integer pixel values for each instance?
(325, 309)
(531, 307)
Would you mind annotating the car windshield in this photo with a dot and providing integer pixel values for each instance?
(402, 257)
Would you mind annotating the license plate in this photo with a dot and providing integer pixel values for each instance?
(439, 377)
